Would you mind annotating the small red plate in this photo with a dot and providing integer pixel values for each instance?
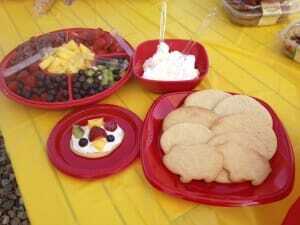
(293, 216)
(66, 161)
(277, 186)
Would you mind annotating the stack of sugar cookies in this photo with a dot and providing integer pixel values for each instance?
(216, 136)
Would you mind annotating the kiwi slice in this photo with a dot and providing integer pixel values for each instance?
(77, 131)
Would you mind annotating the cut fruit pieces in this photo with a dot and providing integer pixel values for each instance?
(95, 122)
(99, 143)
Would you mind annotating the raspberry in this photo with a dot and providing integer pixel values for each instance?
(22, 76)
(30, 81)
(34, 68)
(110, 125)
(44, 96)
(13, 86)
(96, 132)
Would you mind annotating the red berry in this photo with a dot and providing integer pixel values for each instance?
(111, 125)
(99, 44)
(30, 81)
(34, 68)
(36, 98)
(22, 75)
(12, 85)
(44, 96)
(96, 132)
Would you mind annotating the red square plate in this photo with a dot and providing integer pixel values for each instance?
(293, 216)
(277, 186)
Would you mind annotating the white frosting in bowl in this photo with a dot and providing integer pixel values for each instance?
(166, 65)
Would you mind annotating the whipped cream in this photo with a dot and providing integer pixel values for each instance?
(170, 66)
(108, 147)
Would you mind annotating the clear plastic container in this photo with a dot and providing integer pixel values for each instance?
(261, 14)
(290, 38)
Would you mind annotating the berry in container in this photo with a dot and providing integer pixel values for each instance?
(290, 38)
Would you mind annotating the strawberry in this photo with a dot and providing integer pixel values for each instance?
(110, 125)
(99, 44)
(96, 132)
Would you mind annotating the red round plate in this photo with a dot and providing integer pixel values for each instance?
(277, 186)
(66, 161)
(293, 216)
(72, 33)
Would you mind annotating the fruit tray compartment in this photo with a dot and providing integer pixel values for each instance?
(75, 34)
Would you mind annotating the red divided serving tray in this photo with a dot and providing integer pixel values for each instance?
(75, 34)
(66, 161)
(277, 186)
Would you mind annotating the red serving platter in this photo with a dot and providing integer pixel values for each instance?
(71, 164)
(293, 216)
(72, 33)
(146, 49)
(277, 186)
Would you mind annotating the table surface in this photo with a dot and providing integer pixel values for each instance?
(245, 60)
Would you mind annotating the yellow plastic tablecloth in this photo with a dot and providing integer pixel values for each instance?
(245, 60)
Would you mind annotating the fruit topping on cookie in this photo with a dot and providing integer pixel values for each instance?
(96, 133)
(98, 137)
(95, 122)
(99, 143)
(110, 138)
(83, 142)
(110, 125)
(77, 131)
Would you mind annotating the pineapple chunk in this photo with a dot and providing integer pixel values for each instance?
(65, 53)
(86, 52)
(72, 68)
(57, 66)
(96, 123)
(69, 58)
(47, 62)
(71, 45)
(84, 49)
(99, 144)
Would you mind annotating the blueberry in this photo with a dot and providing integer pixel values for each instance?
(81, 78)
(50, 98)
(77, 84)
(81, 72)
(110, 138)
(83, 142)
